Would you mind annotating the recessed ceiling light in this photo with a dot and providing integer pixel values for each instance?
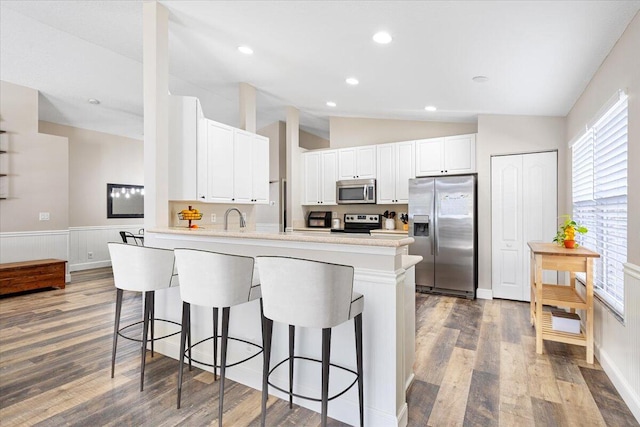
(480, 79)
(246, 50)
(382, 37)
(430, 108)
(331, 104)
(352, 81)
(93, 101)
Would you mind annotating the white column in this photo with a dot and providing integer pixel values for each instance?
(156, 100)
(247, 107)
(295, 216)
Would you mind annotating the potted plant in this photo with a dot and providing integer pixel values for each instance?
(567, 232)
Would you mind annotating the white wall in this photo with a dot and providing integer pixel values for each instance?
(95, 159)
(499, 134)
(37, 166)
(618, 344)
(351, 132)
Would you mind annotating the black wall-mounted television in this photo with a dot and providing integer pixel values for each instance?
(125, 201)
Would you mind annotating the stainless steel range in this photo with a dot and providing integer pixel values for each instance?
(360, 223)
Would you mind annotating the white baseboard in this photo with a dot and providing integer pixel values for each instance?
(482, 293)
(620, 382)
(89, 265)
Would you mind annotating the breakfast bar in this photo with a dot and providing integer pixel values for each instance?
(383, 273)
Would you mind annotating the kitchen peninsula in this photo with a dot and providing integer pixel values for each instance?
(383, 274)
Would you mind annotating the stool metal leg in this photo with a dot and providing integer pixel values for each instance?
(152, 317)
(358, 330)
(189, 335)
(215, 342)
(326, 355)
(267, 331)
(145, 331)
(183, 337)
(292, 337)
(223, 359)
(116, 327)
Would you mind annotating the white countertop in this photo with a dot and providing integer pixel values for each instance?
(385, 240)
(396, 231)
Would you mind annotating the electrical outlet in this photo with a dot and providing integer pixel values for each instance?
(89, 255)
(244, 216)
(44, 216)
(213, 217)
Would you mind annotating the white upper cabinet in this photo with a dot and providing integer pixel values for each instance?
(185, 131)
(260, 169)
(446, 156)
(220, 163)
(242, 167)
(396, 166)
(320, 170)
(357, 162)
(213, 162)
(239, 166)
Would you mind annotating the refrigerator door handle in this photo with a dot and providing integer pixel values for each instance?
(436, 244)
(432, 238)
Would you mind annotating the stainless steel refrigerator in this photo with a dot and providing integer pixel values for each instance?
(443, 223)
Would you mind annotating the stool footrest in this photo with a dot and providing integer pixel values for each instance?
(121, 331)
(314, 399)
(186, 352)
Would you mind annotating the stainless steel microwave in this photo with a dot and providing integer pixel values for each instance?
(356, 191)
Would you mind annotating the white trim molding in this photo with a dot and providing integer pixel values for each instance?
(617, 344)
(482, 293)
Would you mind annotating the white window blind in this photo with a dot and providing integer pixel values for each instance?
(599, 190)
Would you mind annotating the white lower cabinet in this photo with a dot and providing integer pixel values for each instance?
(396, 166)
(320, 170)
(446, 156)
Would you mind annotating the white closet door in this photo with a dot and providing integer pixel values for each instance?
(524, 199)
(506, 227)
(540, 203)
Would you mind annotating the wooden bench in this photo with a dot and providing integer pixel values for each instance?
(28, 275)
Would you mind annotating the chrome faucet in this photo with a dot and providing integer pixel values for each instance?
(226, 218)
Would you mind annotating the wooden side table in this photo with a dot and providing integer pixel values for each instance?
(549, 256)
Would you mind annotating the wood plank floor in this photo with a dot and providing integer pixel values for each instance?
(475, 366)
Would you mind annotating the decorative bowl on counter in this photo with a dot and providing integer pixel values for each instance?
(190, 215)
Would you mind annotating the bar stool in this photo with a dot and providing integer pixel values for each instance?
(217, 280)
(140, 269)
(309, 294)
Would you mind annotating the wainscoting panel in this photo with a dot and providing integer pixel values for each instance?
(31, 245)
(618, 344)
(88, 245)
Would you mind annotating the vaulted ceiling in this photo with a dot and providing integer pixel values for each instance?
(537, 57)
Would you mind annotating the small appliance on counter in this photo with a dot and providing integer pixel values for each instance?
(360, 223)
(336, 224)
(319, 219)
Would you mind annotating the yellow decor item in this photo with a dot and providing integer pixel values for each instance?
(566, 235)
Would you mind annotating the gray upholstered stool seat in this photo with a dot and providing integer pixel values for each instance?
(309, 294)
(215, 280)
(140, 269)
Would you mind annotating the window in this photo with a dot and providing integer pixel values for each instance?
(599, 190)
